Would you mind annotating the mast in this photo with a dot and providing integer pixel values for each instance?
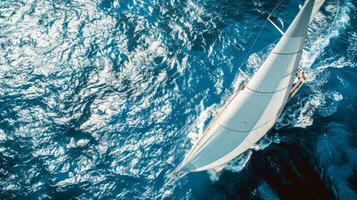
(252, 111)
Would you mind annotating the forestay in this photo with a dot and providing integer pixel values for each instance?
(252, 111)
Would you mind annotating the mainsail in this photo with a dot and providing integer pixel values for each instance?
(253, 110)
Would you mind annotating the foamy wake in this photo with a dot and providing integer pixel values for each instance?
(300, 113)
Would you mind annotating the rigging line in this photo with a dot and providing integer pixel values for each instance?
(260, 31)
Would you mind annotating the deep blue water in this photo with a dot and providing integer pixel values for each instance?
(101, 99)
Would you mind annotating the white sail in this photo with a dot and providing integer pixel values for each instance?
(251, 112)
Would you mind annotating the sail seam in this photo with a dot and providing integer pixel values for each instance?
(269, 92)
(288, 74)
(288, 53)
(250, 129)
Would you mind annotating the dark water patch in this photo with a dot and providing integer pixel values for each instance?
(302, 180)
(353, 179)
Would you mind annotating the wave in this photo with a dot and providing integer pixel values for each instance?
(101, 97)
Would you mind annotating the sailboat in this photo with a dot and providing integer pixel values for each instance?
(254, 108)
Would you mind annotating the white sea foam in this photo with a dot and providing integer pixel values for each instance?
(265, 142)
(205, 113)
(239, 163)
(301, 115)
(2, 135)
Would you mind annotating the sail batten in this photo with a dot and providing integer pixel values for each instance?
(253, 111)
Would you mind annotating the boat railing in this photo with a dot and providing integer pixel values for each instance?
(299, 83)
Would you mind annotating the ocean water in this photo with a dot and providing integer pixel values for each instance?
(101, 99)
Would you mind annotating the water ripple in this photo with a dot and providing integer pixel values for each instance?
(101, 99)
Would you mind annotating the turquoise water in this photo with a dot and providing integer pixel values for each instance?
(101, 99)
